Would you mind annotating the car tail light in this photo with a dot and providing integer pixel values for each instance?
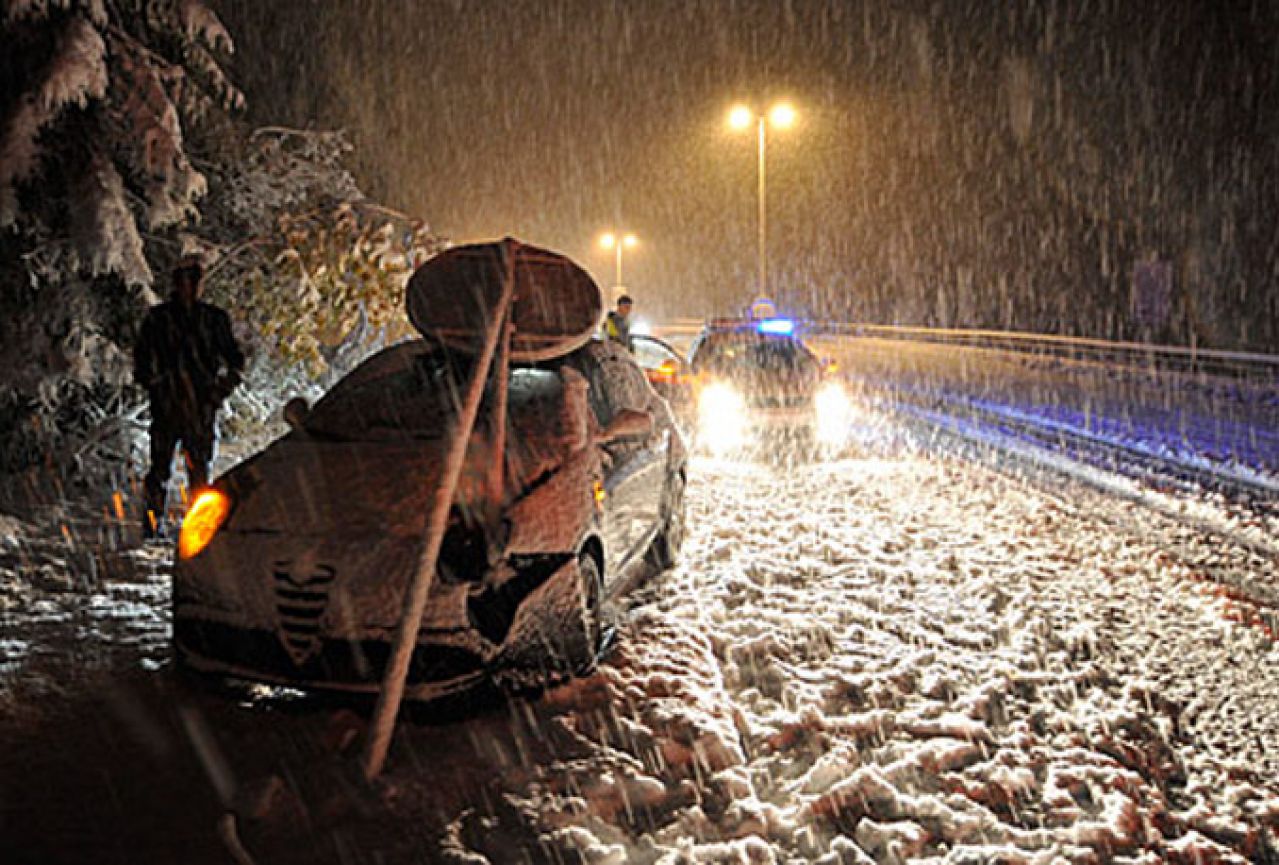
(665, 373)
(203, 519)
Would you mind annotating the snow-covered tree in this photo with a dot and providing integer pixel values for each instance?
(117, 155)
(97, 101)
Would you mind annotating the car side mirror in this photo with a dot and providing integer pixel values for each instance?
(296, 411)
(627, 424)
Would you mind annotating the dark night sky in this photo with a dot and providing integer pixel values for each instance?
(953, 163)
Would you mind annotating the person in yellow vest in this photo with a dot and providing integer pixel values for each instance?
(617, 326)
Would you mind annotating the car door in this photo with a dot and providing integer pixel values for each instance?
(636, 468)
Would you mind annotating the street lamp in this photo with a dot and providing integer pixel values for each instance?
(780, 116)
(617, 242)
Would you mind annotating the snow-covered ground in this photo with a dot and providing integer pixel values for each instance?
(899, 658)
(893, 657)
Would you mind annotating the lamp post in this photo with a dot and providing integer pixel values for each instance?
(780, 116)
(617, 242)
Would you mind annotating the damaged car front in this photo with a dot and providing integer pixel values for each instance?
(298, 574)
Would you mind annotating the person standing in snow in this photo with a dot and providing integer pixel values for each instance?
(617, 326)
(189, 362)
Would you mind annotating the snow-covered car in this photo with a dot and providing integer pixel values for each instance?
(758, 385)
(292, 569)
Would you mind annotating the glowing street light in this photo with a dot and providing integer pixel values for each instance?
(780, 116)
(617, 242)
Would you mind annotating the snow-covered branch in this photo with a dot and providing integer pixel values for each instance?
(76, 75)
(127, 78)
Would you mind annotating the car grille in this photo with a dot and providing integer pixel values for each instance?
(464, 550)
(300, 602)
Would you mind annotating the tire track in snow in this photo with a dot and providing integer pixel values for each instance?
(928, 657)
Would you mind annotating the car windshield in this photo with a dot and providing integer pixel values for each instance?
(408, 390)
(414, 391)
(748, 351)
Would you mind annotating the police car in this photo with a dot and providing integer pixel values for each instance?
(758, 386)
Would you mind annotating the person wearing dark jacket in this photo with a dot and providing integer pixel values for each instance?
(189, 362)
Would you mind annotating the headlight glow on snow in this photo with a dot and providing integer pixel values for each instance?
(834, 414)
(207, 514)
(721, 414)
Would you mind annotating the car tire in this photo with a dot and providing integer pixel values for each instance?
(584, 644)
(568, 644)
(666, 546)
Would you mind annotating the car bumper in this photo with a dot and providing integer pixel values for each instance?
(492, 632)
(762, 429)
(333, 665)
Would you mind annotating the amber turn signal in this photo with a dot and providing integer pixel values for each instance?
(206, 515)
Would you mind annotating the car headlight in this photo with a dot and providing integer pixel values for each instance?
(203, 519)
(721, 412)
(834, 414)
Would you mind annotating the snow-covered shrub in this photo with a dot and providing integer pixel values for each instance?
(314, 268)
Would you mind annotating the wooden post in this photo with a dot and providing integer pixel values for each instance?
(397, 668)
(495, 487)
(497, 469)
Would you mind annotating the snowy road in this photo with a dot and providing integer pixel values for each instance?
(966, 661)
(1225, 424)
(896, 656)
(901, 658)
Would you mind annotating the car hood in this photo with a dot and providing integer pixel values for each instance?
(772, 387)
(305, 484)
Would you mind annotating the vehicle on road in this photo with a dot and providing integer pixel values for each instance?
(668, 372)
(757, 385)
(293, 567)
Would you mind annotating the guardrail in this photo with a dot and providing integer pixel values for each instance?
(1148, 355)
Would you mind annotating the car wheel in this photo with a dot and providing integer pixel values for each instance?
(665, 549)
(584, 647)
(564, 642)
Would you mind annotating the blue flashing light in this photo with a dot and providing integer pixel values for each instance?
(783, 326)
